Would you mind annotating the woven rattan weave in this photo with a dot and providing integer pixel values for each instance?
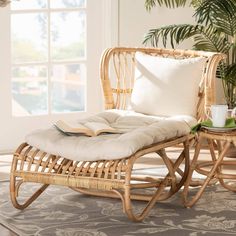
(117, 178)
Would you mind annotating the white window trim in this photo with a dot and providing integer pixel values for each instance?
(111, 23)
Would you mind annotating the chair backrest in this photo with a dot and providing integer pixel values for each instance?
(117, 72)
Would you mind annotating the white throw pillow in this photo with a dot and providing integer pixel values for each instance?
(166, 86)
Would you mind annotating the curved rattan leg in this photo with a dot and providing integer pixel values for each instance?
(230, 178)
(227, 185)
(16, 183)
(190, 202)
(160, 193)
(14, 192)
(127, 203)
(173, 168)
(157, 196)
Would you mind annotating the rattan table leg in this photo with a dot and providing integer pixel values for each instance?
(227, 186)
(190, 202)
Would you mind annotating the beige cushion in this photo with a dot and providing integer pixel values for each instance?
(166, 86)
(139, 131)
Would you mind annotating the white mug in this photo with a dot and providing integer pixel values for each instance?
(218, 115)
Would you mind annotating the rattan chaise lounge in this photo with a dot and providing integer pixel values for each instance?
(115, 177)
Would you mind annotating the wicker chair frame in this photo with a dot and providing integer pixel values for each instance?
(116, 178)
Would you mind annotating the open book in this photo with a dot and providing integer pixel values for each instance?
(88, 128)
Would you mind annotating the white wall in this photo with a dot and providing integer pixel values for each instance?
(135, 21)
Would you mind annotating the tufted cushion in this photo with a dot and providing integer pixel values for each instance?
(138, 130)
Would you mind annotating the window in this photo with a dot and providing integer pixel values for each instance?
(49, 63)
(48, 54)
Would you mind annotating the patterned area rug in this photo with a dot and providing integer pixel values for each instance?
(61, 211)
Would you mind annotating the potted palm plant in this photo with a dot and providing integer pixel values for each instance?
(215, 30)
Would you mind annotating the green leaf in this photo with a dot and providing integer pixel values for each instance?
(230, 74)
(176, 34)
(149, 4)
(210, 40)
(218, 13)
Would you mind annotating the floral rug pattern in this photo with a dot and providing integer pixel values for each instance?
(62, 212)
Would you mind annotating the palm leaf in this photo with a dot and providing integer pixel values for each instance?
(220, 14)
(230, 74)
(149, 4)
(168, 3)
(210, 40)
(233, 51)
(176, 34)
(205, 38)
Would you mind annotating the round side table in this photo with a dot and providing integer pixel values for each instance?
(220, 141)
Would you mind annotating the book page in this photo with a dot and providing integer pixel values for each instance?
(99, 128)
(73, 127)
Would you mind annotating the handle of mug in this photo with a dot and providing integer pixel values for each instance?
(233, 113)
(208, 116)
